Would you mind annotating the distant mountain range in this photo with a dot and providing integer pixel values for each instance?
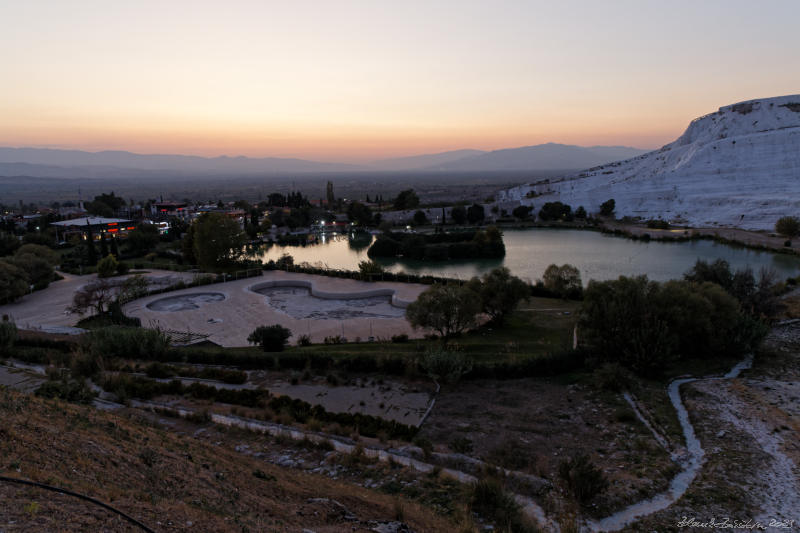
(53, 163)
(738, 166)
(550, 156)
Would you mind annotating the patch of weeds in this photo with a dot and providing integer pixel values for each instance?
(461, 445)
(511, 454)
(491, 501)
(583, 479)
(261, 475)
(624, 415)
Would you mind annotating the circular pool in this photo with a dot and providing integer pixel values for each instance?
(185, 302)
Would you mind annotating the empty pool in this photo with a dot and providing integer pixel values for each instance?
(298, 302)
(185, 302)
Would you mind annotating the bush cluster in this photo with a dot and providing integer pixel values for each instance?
(366, 425)
(160, 370)
(127, 342)
(645, 325)
(125, 386)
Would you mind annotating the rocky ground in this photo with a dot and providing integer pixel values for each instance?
(750, 430)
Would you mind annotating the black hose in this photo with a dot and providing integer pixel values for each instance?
(76, 495)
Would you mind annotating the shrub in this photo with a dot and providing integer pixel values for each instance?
(461, 445)
(270, 338)
(564, 280)
(71, 390)
(611, 377)
(657, 224)
(583, 479)
(445, 366)
(107, 267)
(131, 343)
(304, 340)
(788, 226)
(555, 211)
(400, 338)
(491, 501)
(607, 207)
(8, 334)
(522, 212)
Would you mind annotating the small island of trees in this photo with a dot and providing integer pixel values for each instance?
(477, 244)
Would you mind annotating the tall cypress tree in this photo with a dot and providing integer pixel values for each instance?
(90, 244)
(114, 247)
(103, 245)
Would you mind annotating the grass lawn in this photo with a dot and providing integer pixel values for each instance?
(539, 326)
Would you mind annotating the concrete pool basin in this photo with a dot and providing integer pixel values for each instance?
(302, 300)
(185, 302)
(320, 307)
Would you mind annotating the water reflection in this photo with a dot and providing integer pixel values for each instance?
(529, 252)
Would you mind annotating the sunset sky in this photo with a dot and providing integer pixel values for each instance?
(342, 80)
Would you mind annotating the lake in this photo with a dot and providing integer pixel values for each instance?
(530, 251)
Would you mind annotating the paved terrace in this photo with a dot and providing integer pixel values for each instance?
(47, 309)
(230, 321)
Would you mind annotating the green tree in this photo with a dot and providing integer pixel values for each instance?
(476, 214)
(143, 239)
(788, 226)
(645, 325)
(564, 280)
(522, 212)
(420, 219)
(37, 271)
(107, 267)
(499, 292)
(607, 207)
(407, 199)
(580, 213)
(91, 251)
(218, 240)
(359, 214)
(105, 205)
(556, 211)
(8, 243)
(446, 309)
(42, 252)
(115, 246)
(13, 282)
(271, 338)
(187, 246)
(459, 214)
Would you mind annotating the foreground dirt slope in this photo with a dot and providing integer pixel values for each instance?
(169, 482)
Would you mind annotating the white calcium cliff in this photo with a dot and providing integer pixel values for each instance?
(737, 167)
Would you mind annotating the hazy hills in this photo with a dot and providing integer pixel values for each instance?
(738, 166)
(52, 163)
(550, 156)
